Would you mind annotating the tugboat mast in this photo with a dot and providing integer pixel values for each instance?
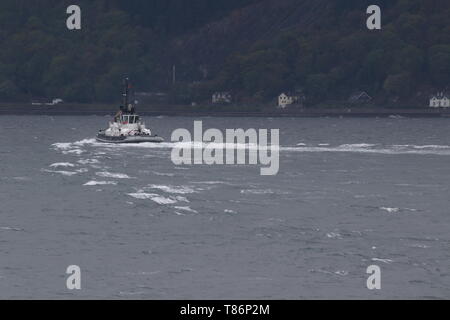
(126, 92)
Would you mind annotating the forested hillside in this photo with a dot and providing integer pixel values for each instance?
(254, 48)
(40, 57)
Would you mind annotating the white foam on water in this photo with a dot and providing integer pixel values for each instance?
(62, 164)
(357, 145)
(390, 210)
(432, 146)
(230, 211)
(163, 174)
(401, 145)
(363, 147)
(64, 173)
(153, 197)
(106, 174)
(341, 273)
(74, 151)
(334, 235)
(257, 191)
(10, 229)
(211, 182)
(73, 147)
(88, 161)
(396, 210)
(172, 189)
(62, 145)
(182, 199)
(85, 142)
(149, 145)
(195, 145)
(100, 183)
(188, 209)
(320, 271)
(441, 150)
(387, 261)
(141, 195)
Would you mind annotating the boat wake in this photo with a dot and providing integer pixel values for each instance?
(77, 147)
(442, 150)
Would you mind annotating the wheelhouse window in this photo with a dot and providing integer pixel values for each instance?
(130, 119)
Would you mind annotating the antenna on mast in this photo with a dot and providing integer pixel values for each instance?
(126, 92)
(174, 74)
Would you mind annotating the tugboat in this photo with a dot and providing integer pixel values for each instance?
(127, 126)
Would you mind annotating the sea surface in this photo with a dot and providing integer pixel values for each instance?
(350, 193)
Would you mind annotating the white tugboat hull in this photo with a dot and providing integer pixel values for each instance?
(128, 139)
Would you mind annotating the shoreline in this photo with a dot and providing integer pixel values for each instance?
(187, 111)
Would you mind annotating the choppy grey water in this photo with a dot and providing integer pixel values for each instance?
(350, 193)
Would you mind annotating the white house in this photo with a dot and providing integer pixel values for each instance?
(435, 102)
(440, 101)
(221, 97)
(445, 102)
(287, 99)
